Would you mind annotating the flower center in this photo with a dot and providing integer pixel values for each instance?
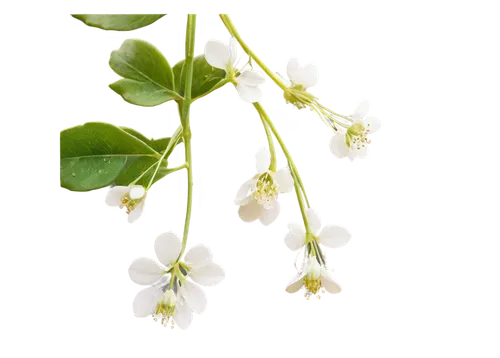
(129, 203)
(163, 316)
(266, 190)
(356, 137)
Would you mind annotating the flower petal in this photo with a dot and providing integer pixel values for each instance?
(269, 215)
(167, 248)
(217, 54)
(242, 196)
(334, 236)
(360, 111)
(198, 256)
(146, 300)
(329, 283)
(115, 195)
(263, 160)
(144, 271)
(137, 192)
(194, 297)
(250, 212)
(250, 94)
(296, 229)
(183, 315)
(284, 180)
(233, 51)
(294, 242)
(251, 78)
(307, 76)
(207, 275)
(338, 146)
(295, 283)
(314, 220)
(292, 69)
(137, 212)
(373, 124)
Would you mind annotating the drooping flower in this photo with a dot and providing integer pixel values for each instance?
(306, 76)
(330, 236)
(222, 56)
(258, 196)
(313, 274)
(132, 197)
(171, 295)
(353, 142)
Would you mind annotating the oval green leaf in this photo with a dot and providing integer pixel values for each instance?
(118, 22)
(148, 77)
(205, 77)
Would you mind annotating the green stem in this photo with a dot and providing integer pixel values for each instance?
(272, 167)
(293, 169)
(232, 30)
(186, 104)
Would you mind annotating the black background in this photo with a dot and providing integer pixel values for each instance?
(252, 307)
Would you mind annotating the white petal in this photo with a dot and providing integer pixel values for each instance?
(217, 54)
(242, 196)
(361, 111)
(194, 296)
(233, 51)
(167, 247)
(250, 212)
(284, 180)
(294, 242)
(115, 195)
(307, 76)
(198, 255)
(338, 146)
(334, 236)
(183, 315)
(144, 271)
(372, 123)
(137, 192)
(314, 220)
(358, 153)
(295, 283)
(251, 78)
(249, 93)
(269, 215)
(292, 68)
(329, 283)
(263, 160)
(296, 229)
(146, 300)
(137, 212)
(207, 275)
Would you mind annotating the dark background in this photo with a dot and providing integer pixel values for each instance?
(99, 244)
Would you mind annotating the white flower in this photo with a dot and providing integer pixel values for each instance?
(331, 236)
(258, 197)
(223, 56)
(303, 76)
(132, 197)
(313, 274)
(353, 142)
(170, 294)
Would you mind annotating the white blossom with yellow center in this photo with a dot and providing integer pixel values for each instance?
(131, 197)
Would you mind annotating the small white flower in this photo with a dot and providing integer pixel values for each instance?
(175, 297)
(353, 142)
(223, 56)
(304, 76)
(132, 197)
(258, 197)
(313, 274)
(331, 236)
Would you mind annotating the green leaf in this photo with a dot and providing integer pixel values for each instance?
(148, 77)
(205, 77)
(96, 153)
(118, 22)
(157, 144)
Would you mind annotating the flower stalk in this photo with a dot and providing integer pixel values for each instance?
(186, 134)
